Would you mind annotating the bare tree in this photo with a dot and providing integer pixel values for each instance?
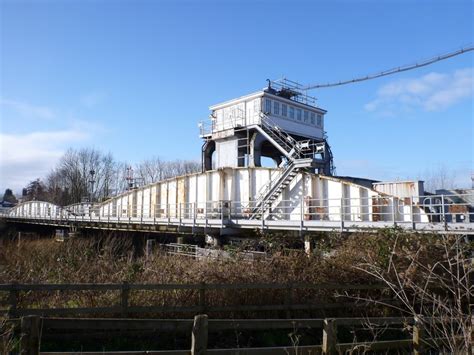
(155, 169)
(432, 282)
(438, 178)
(151, 170)
(80, 174)
(90, 174)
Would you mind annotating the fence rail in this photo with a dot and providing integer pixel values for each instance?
(34, 328)
(201, 290)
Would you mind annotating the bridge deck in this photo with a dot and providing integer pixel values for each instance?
(195, 225)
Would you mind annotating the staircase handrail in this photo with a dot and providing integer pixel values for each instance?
(289, 142)
(275, 175)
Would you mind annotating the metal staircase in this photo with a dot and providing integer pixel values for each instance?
(285, 143)
(300, 155)
(280, 179)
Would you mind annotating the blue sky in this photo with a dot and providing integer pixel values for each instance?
(135, 77)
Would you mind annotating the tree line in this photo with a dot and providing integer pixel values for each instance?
(88, 174)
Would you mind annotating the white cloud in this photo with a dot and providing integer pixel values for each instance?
(431, 92)
(28, 153)
(25, 157)
(28, 110)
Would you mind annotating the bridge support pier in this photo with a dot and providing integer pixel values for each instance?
(149, 246)
(308, 246)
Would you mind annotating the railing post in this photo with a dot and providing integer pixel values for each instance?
(412, 214)
(341, 213)
(199, 335)
(329, 336)
(30, 335)
(13, 300)
(393, 211)
(124, 293)
(168, 213)
(301, 214)
(418, 347)
(202, 297)
(222, 213)
(443, 213)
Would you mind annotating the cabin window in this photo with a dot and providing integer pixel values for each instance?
(306, 116)
(284, 110)
(320, 120)
(313, 118)
(256, 105)
(292, 112)
(268, 106)
(298, 114)
(276, 107)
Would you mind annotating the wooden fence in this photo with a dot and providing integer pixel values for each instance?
(125, 308)
(35, 328)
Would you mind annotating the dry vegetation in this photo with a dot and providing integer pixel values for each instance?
(428, 276)
(111, 260)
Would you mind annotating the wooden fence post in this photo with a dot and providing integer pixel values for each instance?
(199, 335)
(329, 336)
(30, 335)
(124, 293)
(418, 347)
(13, 300)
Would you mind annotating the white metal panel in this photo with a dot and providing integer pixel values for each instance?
(300, 128)
(226, 152)
(308, 195)
(401, 188)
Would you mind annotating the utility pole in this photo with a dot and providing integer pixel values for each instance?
(91, 181)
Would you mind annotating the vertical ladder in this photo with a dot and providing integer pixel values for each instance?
(243, 148)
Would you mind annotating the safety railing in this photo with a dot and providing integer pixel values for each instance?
(300, 94)
(197, 252)
(234, 120)
(205, 128)
(275, 176)
(284, 139)
(370, 208)
(434, 209)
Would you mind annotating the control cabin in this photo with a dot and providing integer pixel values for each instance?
(237, 134)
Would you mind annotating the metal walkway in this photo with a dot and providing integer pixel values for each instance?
(441, 215)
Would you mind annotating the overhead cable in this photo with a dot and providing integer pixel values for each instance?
(394, 70)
